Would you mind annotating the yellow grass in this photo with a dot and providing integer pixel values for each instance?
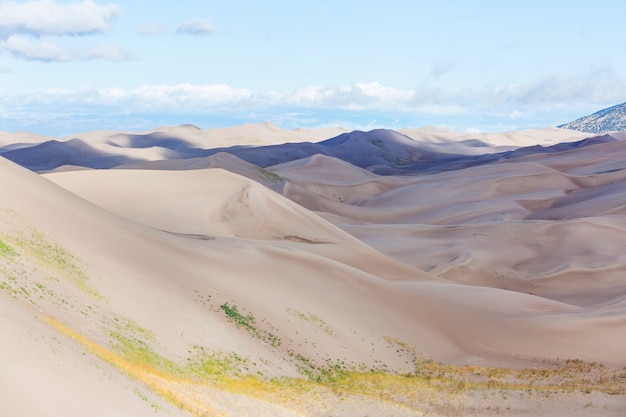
(166, 385)
(432, 385)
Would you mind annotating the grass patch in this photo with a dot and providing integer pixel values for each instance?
(433, 386)
(269, 175)
(54, 257)
(35, 245)
(138, 352)
(6, 250)
(314, 319)
(248, 323)
(233, 314)
(135, 343)
(172, 388)
(205, 365)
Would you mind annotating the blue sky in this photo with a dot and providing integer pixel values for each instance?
(68, 66)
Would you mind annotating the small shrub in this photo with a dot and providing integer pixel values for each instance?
(233, 314)
(270, 176)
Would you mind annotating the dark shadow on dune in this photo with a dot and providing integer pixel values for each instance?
(53, 154)
(150, 140)
(380, 151)
(386, 152)
(560, 147)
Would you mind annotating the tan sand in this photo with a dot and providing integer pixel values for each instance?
(515, 263)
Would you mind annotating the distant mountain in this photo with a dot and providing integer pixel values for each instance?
(608, 120)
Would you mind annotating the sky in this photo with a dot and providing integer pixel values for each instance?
(491, 66)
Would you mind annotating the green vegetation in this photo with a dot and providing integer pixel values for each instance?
(6, 250)
(156, 407)
(134, 344)
(270, 176)
(34, 247)
(377, 142)
(54, 257)
(170, 387)
(439, 388)
(204, 365)
(314, 319)
(142, 355)
(248, 323)
(233, 314)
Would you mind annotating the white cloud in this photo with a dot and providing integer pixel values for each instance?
(108, 52)
(347, 96)
(597, 85)
(196, 27)
(350, 97)
(6, 70)
(193, 97)
(150, 29)
(491, 108)
(512, 102)
(47, 17)
(38, 49)
(439, 110)
(46, 50)
(27, 30)
(181, 98)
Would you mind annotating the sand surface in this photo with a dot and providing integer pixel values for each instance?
(367, 250)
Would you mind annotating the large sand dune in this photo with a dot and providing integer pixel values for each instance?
(509, 257)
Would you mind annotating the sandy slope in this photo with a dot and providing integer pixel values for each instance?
(530, 224)
(214, 204)
(511, 263)
(21, 137)
(244, 135)
(545, 137)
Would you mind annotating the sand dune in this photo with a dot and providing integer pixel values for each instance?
(381, 151)
(214, 204)
(21, 139)
(320, 168)
(516, 139)
(106, 149)
(283, 269)
(222, 160)
(531, 224)
(211, 202)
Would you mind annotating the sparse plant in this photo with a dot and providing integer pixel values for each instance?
(314, 319)
(233, 314)
(248, 323)
(6, 250)
(270, 176)
(437, 386)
